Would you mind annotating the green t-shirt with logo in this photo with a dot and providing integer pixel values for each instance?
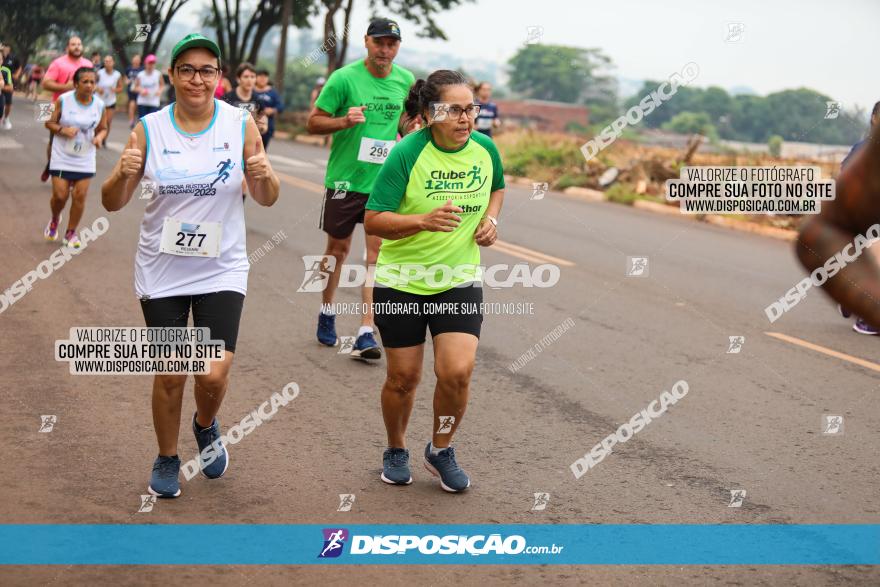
(418, 177)
(357, 152)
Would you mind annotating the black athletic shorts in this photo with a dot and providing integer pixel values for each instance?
(8, 97)
(402, 317)
(220, 311)
(341, 212)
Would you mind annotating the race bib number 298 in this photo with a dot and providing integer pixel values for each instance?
(374, 150)
(190, 239)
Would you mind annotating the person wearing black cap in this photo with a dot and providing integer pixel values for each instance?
(361, 106)
(192, 253)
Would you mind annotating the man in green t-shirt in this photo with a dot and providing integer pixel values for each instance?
(361, 105)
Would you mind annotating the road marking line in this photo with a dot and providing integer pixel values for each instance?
(290, 161)
(9, 143)
(114, 146)
(309, 186)
(517, 250)
(824, 350)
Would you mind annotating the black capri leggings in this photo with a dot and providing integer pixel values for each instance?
(220, 311)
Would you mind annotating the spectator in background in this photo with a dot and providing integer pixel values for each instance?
(13, 70)
(34, 81)
(271, 101)
(130, 74)
(96, 59)
(488, 118)
(224, 86)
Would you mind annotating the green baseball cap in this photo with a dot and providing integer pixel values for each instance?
(193, 40)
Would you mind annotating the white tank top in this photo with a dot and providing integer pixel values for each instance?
(107, 85)
(78, 153)
(149, 82)
(197, 180)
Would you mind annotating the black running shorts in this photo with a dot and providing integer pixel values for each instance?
(341, 212)
(403, 318)
(220, 311)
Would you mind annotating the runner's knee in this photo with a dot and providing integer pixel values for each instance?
(171, 384)
(456, 375)
(212, 383)
(403, 381)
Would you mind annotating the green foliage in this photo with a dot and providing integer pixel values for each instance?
(774, 145)
(795, 115)
(621, 193)
(563, 74)
(538, 154)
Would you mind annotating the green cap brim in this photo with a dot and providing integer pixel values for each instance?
(202, 42)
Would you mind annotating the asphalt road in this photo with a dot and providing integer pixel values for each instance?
(752, 420)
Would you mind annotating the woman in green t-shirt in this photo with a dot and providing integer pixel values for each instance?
(435, 202)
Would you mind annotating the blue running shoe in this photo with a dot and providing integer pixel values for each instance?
(863, 327)
(365, 347)
(452, 478)
(327, 329)
(395, 466)
(212, 463)
(164, 481)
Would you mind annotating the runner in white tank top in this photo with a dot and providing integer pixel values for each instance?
(188, 160)
(78, 126)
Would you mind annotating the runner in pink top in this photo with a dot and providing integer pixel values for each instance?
(59, 79)
(59, 76)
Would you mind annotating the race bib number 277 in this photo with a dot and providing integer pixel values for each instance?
(190, 239)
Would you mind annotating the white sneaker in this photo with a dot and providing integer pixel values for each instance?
(7, 124)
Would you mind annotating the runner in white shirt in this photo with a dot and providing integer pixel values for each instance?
(149, 85)
(191, 252)
(109, 85)
(77, 125)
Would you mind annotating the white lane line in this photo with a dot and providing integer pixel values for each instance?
(114, 146)
(9, 143)
(289, 161)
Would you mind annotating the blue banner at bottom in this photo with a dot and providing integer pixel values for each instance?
(508, 544)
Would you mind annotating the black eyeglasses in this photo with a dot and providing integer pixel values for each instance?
(188, 72)
(455, 111)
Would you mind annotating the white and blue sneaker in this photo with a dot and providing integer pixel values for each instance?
(164, 481)
(452, 478)
(365, 347)
(213, 462)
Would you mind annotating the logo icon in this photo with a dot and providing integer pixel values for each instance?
(538, 191)
(735, 31)
(534, 34)
(541, 501)
(340, 189)
(141, 31)
(346, 500)
(185, 227)
(318, 270)
(244, 110)
(439, 111)
(737, 496)
(44, 111)
(148, 189)
(223, 173)
(446, 424)
(636, 266)
(832, 110)
(147, 502)
(832, 424)
(334, 540)
(736, 344)
(346, 345)
(47, 423)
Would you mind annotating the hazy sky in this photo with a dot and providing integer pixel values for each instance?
(785, 44)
